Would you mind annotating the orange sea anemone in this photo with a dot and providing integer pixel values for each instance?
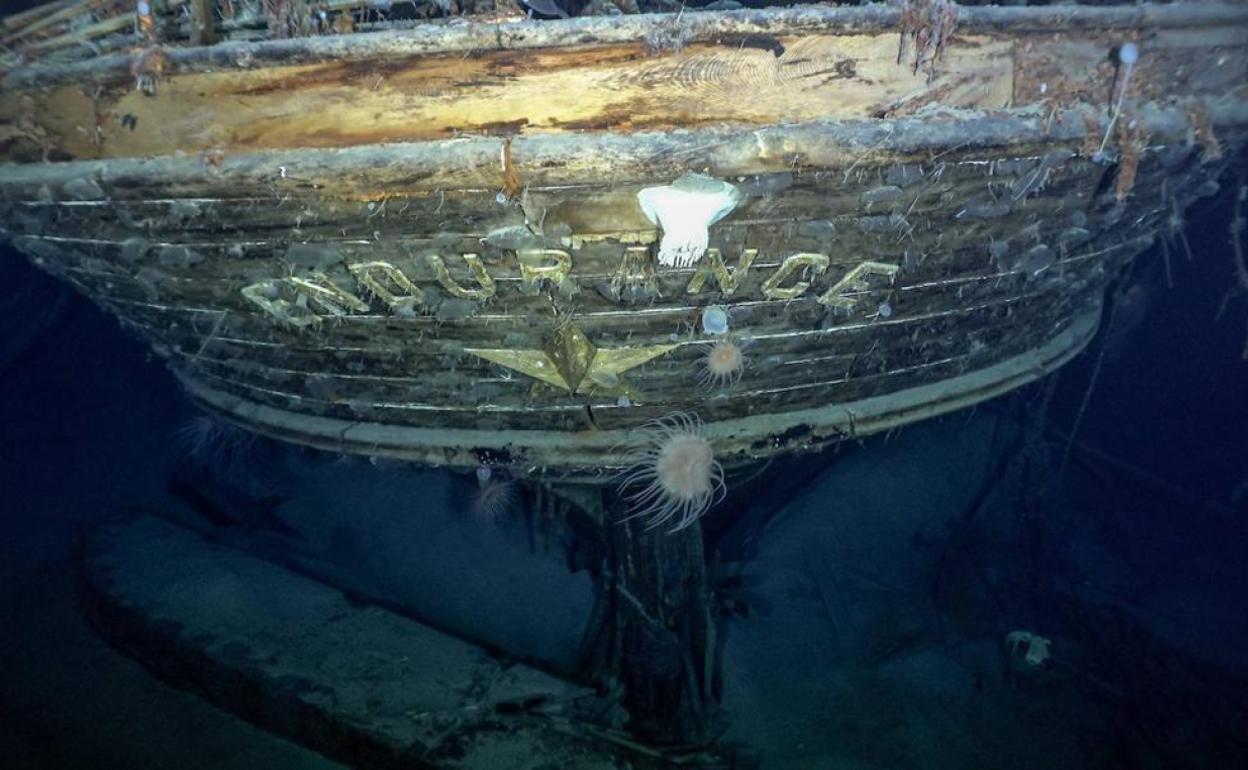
(723, 364)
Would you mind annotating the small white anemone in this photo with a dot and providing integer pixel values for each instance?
(714, 320)
(685, 210)
(678, 475)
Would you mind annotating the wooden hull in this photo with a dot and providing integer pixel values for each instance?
(903, 244)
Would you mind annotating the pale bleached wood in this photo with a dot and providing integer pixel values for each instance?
(619, 87)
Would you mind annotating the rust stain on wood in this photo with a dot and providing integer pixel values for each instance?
(511, 178)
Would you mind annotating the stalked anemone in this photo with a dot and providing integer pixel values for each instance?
(675, 475)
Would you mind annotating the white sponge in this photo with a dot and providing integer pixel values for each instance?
(685, 210)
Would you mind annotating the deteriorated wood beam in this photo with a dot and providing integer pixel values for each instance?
(64, 14)
(473, 163)
(748, 27)
(733, 78)
(203, 20)
(18, 21)
(83, 35)
(614, 87)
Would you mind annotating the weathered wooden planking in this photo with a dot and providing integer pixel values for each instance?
(408, 377)
(940, 205)
(358, 683)
(672, 381)
(508, 406)
(542, 160)
(589, 454)
(337, 104)
(1175, 63)
(225, 219)
(678, 73)
(747, 26)
(619, 87)
(932, 276)
(867, 205)
(946, 279)
(954, 310)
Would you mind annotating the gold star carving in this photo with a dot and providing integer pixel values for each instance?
(568, 360)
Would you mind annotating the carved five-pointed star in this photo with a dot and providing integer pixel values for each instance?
(568, 360)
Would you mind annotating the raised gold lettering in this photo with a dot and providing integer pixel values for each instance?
(712, 264)
(267, 295)
(388, 284)
(479, 274)
(288, 299)
(537, 265)
(634, 280)
(806, 261)
(841, 296)
(327, 295)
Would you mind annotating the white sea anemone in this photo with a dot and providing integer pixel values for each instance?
(677, 473)
(496, 497)
(210, 442)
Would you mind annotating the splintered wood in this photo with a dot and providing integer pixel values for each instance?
(616, 87)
